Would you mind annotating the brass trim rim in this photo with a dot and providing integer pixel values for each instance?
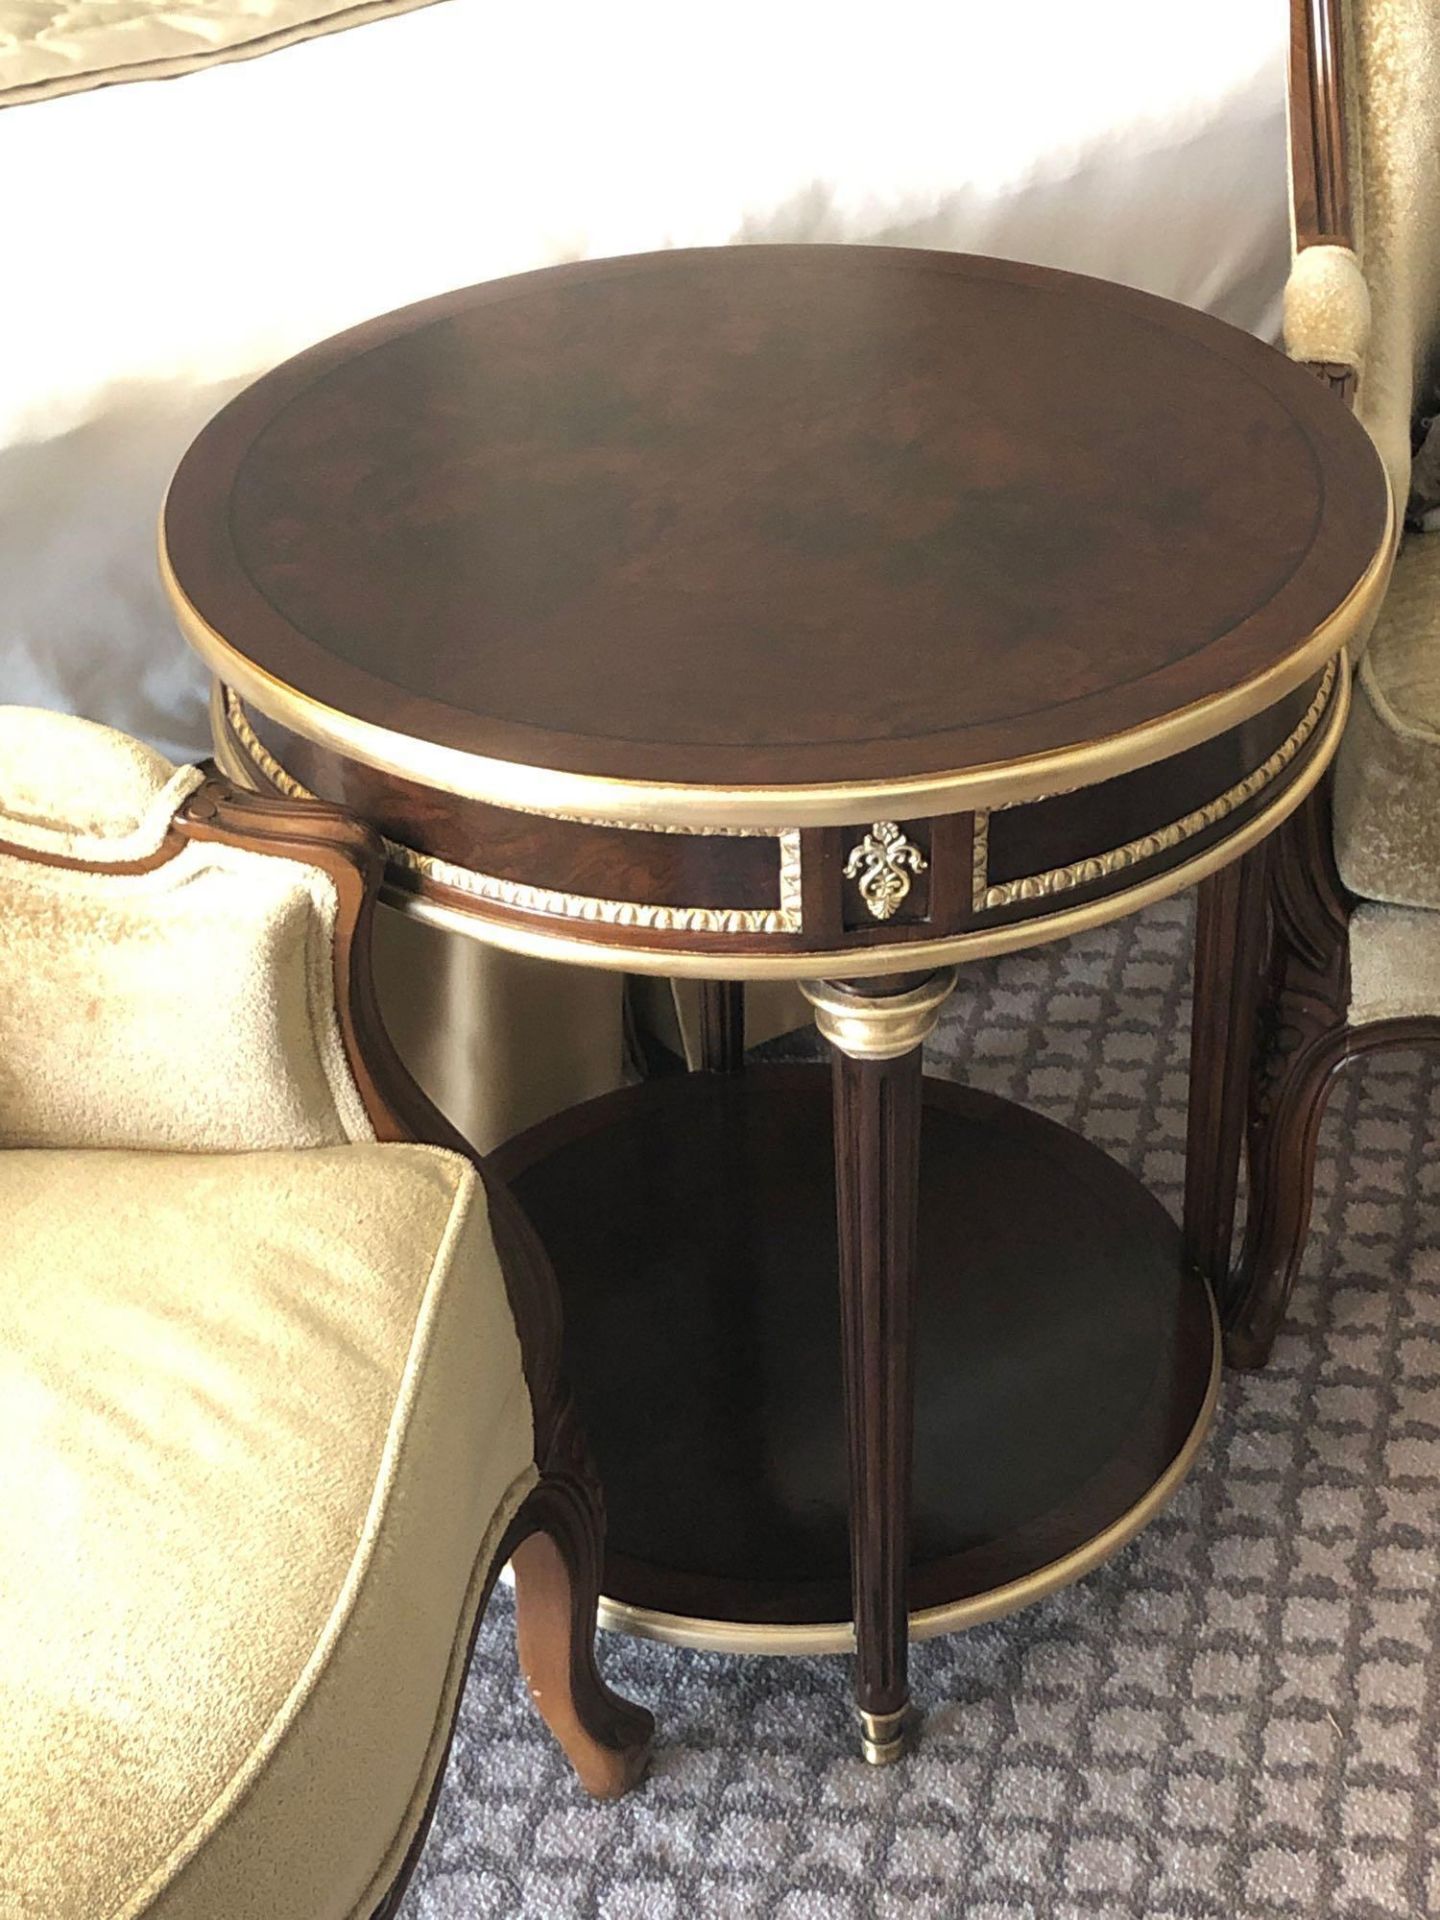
(862, 962)
(838, 1636)
(515, 784)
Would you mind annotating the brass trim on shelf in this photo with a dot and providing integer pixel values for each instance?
(838, 1636)
(863, 962)
(1039, 886)
(230, 714)
(526, 788)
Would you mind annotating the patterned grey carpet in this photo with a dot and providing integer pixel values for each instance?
(1238, 1716)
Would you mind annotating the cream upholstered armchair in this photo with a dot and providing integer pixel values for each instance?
(278, 1388)
(1354, 882)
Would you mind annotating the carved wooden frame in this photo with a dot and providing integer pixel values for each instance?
(555, 1540)
(1272, 971)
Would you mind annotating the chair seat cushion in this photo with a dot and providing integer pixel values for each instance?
(1387, 773)
(262, 1424)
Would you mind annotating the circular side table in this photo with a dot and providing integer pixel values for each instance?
(845, 614)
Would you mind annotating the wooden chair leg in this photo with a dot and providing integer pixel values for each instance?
(1303, 1042)
(557, 1587)
(1283, 1143)
(1230, 963)
(554, 1548)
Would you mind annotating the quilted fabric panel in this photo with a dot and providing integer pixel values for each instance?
(49, 47)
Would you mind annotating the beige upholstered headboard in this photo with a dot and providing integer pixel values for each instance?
(49, 47)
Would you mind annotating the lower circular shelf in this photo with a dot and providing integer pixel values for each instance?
(1066, 1371)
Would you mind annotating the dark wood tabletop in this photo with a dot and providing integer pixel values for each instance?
(776, 515)
(758, 545)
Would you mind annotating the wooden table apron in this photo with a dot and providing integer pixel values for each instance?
(840, 614)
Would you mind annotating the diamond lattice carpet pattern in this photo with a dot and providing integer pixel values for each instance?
(1236, 1717)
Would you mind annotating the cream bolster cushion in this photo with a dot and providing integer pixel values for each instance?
(1327, 307)
(262, 1423)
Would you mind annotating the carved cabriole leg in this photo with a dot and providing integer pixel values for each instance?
(1230, 960)
(877, 1031)
(1302, 1044)
(557, 1587)
(722, 1026)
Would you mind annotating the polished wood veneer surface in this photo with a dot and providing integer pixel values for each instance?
(770, 516)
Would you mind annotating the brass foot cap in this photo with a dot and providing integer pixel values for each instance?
(887, 1737)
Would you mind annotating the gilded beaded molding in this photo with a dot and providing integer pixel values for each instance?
(784, 918)
(1038, 886)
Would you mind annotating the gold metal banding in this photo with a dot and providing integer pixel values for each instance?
(878, 1026)
(1100, 866)
(886, 1737)
(1328, 710)
(862, 962)
(838, 1636)
(507, 783)
(227, 711)
(226, 705)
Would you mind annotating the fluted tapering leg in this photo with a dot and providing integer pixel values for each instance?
(877, 1032)
(722, 1026)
